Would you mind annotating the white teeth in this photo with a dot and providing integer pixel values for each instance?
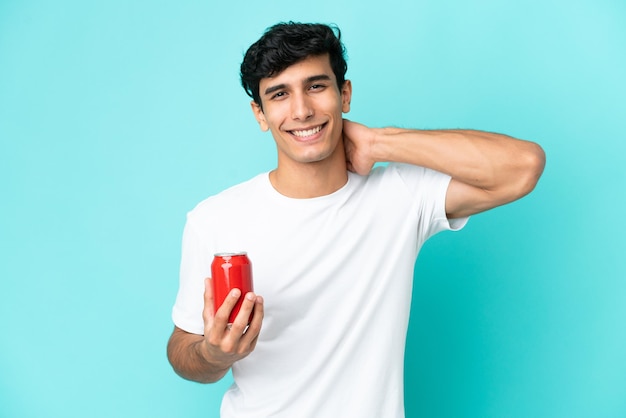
(308, 132)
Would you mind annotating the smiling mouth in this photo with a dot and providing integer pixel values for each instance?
(307, 132)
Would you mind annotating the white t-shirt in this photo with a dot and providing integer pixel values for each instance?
(336, 274)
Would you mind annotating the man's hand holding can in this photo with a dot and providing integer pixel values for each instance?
(225, 341)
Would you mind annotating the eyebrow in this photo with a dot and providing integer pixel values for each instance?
(320, 77)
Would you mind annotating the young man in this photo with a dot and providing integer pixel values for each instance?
(333, 241)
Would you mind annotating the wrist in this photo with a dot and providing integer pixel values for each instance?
(203, 352)
(384, 142)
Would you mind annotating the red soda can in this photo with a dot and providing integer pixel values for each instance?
(230, 271)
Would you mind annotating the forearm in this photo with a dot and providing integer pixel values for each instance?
(481, 159)
(185, 354)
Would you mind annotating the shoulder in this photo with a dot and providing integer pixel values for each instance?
(408, 175)
(229, 199)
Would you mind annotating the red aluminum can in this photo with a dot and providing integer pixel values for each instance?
(231, 271)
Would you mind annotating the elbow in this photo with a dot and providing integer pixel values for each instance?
(532, 164)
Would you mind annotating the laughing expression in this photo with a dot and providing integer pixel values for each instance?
(303, 107)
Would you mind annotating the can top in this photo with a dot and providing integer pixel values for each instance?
(230, 254)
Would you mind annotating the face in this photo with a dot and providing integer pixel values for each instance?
(303, 107)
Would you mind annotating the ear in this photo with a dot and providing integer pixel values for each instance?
(259, 116)
(346, 96)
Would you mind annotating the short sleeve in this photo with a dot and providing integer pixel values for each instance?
(429, 188)
(195, 267)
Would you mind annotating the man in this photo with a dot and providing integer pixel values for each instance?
(332, 240)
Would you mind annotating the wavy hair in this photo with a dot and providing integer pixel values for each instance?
(285, 44)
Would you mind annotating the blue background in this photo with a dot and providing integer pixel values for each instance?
(117, 117)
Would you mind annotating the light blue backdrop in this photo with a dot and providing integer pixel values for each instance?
(117, 117)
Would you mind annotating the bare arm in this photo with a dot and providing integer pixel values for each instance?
(186, 355)
(207, 358)
(487, 169)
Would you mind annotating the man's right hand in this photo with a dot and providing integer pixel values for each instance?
(207, 358)
(226, 343)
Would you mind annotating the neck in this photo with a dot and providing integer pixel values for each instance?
(305, 181)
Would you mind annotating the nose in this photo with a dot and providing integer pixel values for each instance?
(301, 108)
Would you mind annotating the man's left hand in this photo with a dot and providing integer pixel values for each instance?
(358, 141)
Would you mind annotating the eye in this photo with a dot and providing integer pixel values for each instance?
(317, 87)
(278, 95)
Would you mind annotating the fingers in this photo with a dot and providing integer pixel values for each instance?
(243, 333)
(251, 335)
(250, 315)
(230, 342)
(223, 312)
